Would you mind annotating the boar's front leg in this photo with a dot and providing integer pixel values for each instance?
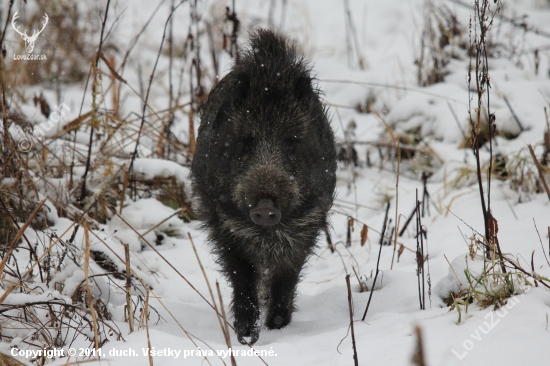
(246, 312)
(282, 290)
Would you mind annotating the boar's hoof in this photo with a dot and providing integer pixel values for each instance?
(253, 333)
(265, 213)
(279, 320)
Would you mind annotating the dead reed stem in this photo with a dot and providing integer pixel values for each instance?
(350, 305)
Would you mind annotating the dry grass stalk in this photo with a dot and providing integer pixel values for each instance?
(149, 290)
(218, 315)
(539, 168)
(540, 240)
(163, 258)
(533, 266)
(396, 230)
(7, 360)
(418, 358)
(226, 324)
(87, 281)
(46, 252)
(420, 258)
(161, 222)
(13, 244)
(384, 237)
(146, 312)
(128, 288)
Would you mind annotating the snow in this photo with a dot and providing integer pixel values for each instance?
(389, 34)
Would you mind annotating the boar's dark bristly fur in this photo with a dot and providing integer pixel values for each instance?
(264, 174)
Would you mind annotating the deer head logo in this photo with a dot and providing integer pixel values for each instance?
(29, 40)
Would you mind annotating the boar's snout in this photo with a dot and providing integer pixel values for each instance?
(265, 213)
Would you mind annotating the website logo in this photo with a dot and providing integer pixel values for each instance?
(29, 40)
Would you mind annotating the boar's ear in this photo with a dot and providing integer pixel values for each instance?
(302, 88)
(242, 87)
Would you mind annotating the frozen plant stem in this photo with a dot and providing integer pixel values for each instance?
(378, 261)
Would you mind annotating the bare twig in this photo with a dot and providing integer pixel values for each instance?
(409, 219)
(378, 261)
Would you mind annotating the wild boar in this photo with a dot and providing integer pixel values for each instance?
(264, 173)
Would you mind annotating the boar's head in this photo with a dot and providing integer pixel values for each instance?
(265, 152)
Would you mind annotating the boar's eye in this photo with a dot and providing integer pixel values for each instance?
(247, 144)
(290, 144)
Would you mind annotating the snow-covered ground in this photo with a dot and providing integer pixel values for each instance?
(389, 37)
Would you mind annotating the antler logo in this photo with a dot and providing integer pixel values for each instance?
(29, 40)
